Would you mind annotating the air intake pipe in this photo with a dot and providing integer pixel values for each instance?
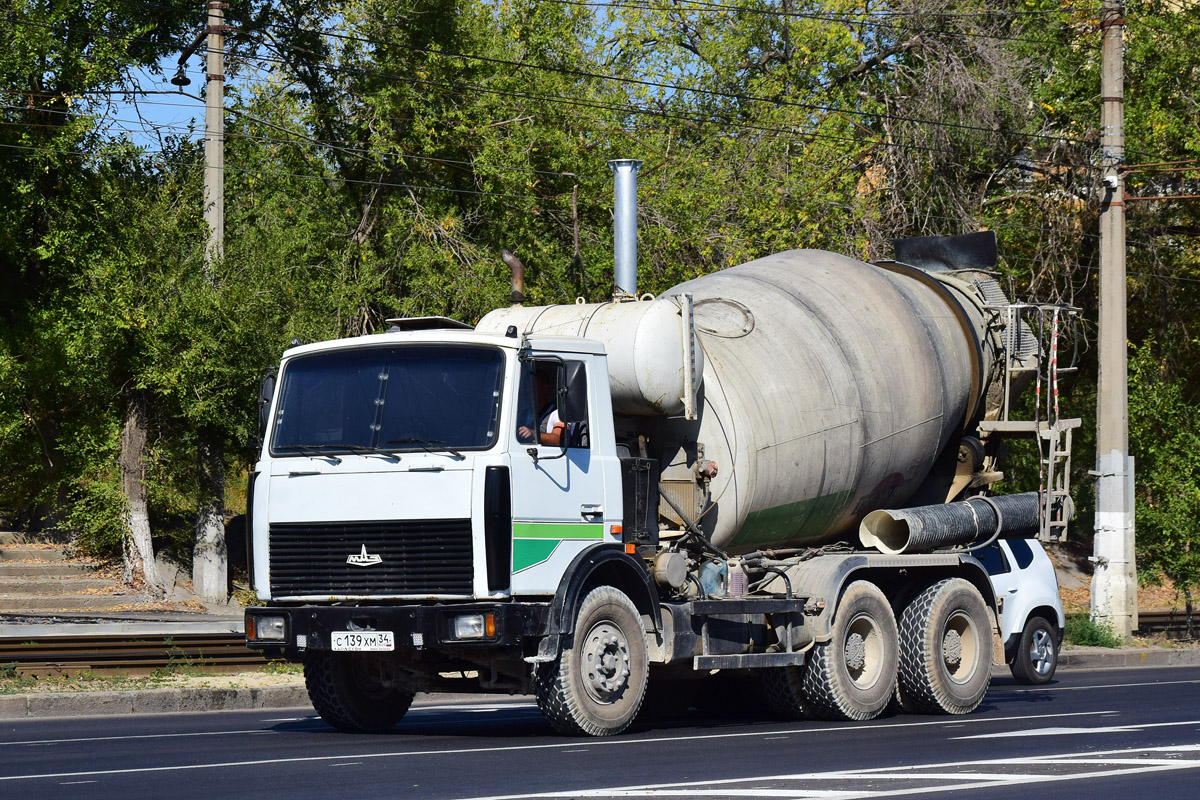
(924, 528)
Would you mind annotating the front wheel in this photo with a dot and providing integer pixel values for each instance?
(1037, 654)
(945, 650)
(596, 686)
(355, 692)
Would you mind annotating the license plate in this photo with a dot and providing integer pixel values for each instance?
(362, 641)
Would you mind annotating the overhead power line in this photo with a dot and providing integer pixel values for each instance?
(673, 87)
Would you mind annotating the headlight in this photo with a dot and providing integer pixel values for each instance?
(266, 628)
(474, 626)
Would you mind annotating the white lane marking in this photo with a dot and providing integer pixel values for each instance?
(1131, 728)
(75, 783)
(1112, 762)
(131, 737)
(964, 780)
(1029, 689)
(1049, 732)
(347, 764)
(516, 748)
(798, 794)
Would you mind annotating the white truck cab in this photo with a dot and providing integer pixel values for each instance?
(414, 427)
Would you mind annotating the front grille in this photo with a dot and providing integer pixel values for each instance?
(415, 557)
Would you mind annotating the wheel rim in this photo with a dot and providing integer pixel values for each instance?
(605, 666)
(1041, 652)
(960, 647)
(862, 651)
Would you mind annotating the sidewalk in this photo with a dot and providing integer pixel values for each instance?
(293, 694)
(1123, 657)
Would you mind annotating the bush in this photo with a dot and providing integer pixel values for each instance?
(1082, 631)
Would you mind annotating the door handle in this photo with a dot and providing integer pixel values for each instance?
(590, 510)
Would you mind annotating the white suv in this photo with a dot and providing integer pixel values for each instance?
(1031, 613)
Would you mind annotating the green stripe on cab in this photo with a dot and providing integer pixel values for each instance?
(535, 542)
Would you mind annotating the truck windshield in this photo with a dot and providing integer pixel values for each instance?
(438, 398)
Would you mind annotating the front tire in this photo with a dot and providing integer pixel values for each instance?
(355, 692)
(1037, 654)
(597, 685)
(853, 675)
(945, 650)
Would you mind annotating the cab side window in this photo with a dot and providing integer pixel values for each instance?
(552, 403)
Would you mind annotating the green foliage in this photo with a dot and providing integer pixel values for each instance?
(1082, 631)
(1166, 446)
(396, 146)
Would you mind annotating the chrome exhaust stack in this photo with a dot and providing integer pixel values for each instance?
(625, 227)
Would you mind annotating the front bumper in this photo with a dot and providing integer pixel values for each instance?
(415, 627)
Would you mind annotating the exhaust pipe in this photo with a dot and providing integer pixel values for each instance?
(924, 528)
(517, 298)
(625, 226)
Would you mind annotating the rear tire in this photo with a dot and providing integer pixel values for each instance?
(1037, 654)
(597, 685)
(355, 692)
(853, 675)
(945, 650)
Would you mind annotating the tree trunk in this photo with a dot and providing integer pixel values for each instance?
(138, 550)
(210, 557)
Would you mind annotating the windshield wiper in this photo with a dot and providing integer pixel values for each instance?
(312, 451)
(429, 445)
(365, 450)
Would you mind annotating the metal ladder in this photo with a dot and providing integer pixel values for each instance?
(1024, 357)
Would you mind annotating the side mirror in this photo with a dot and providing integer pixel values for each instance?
(266, 390)
(572, 406)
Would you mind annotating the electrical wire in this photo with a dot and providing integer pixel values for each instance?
(741, 97)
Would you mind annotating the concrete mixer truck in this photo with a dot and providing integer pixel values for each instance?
(777, 471)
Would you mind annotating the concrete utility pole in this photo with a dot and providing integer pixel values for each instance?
(1114, 581)
(214, 133)
(210, 556)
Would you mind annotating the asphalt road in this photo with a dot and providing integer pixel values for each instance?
(1090, 733)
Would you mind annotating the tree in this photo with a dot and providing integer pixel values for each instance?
(1168, 461)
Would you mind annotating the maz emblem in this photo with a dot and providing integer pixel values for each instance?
(363, 559)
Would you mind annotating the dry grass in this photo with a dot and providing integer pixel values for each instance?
(177, 677)
(1150, 598)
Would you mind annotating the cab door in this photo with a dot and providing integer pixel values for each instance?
(558, 487)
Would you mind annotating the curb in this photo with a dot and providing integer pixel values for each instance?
(149, 701)
(1124, 657)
